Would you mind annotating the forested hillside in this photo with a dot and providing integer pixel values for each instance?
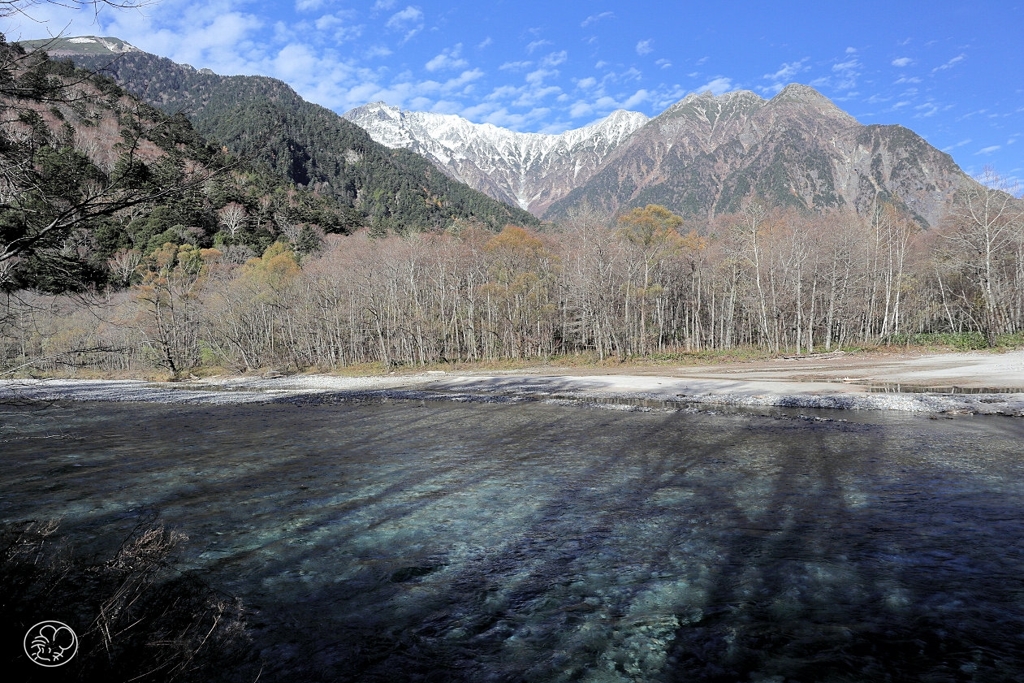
(264, 120)
(95, 181)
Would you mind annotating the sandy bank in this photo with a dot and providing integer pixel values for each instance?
(979, 383)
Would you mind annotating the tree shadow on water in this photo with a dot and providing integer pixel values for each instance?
(449, 542)
(899, 587)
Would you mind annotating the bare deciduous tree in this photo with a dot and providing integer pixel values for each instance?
(233, 218)
(123, 265)
(986, 229)
(10, 8)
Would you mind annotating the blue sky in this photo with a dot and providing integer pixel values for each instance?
(951, 71)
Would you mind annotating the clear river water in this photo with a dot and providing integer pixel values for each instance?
(443, 541)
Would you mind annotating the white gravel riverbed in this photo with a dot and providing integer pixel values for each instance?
(967, 383)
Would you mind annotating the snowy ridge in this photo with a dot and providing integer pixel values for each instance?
(532, 170)
(113, 45)
(81, 45)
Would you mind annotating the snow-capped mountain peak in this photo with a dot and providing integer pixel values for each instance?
(529, 169)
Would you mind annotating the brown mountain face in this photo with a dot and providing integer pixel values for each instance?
(706, 155)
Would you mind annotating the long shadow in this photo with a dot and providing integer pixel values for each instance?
(462, 628)
(533, 542)
(831, 592)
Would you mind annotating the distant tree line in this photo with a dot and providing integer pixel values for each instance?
(639, 285)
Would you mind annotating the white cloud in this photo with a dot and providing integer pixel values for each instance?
(846, 73)
(487, 42)
(446, 107)
(594, 18)
(963, 142)
(400, 20)
(786, 71)
(535, 93)
(384, 5)
(499, 115)
(555, 58)
(555, 127)
(409, 20)
(851, 50)
(636, 99)
(462, 79)
(645, 47)
(307, 5)
(515, 66)
(378, 51)
(581, 109)
(339, 26)
(970, 114)
(327, 21)
(631, 74)
(517, 121)
(292, 61)
(717, 86)
(951, 63)
(204, 34)
(504, 92)
(406, 92)
(605, 104)
(902, 61)
(535, 96)
(540, 75)
(783, 77)
(537, 44)
(989, 150)
(449, 59)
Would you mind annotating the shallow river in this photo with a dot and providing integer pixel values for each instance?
(408, 540)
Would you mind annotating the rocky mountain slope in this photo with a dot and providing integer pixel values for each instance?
(703, 156)
(531, 170)
(266, 121)
(706, 155)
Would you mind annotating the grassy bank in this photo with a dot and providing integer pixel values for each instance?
(915, 344)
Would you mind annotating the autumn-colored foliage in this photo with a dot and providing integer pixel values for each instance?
(638, 285)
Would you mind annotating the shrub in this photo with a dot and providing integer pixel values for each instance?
(136, 617)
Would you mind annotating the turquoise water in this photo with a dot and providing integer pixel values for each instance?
(407, 540)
